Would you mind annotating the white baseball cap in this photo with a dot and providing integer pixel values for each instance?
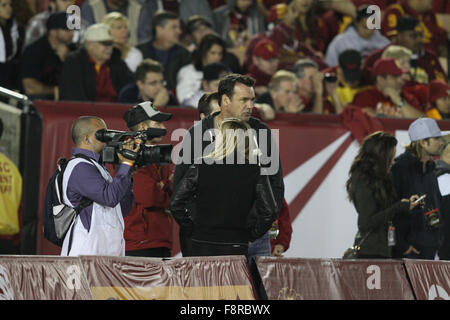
(98, 32)
(424, 128)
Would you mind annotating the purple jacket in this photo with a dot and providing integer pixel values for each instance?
(86, 181)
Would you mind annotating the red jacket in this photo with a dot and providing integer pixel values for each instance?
(148, 225)
(284, 227)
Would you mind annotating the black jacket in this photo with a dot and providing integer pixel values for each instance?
(78, 77)
(224, 203)
(410, 178)
(179, 56)
(444, 251)
(374, 219)
(204, 129)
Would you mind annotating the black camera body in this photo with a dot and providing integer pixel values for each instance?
(158, 154)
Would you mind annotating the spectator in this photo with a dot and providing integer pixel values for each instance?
(148, 226)
(164, 47)
(403, 57)
(386, 96)
(416, 80)
(42, 60)
(98, 228)
(208, 104)
(442, 172)
(118, 24)
(149, 85)
(413, 173)
(439, 97)
(371, 190)
(10, 47)
(265, 63)
(198, 27)
(301, 24)
(409, 35)
(96, 69)
(358, 36)
(348, 74)
(138, 16)
(212, 73)
(189, 78)
(236, 22)
(282, 95)
(310, 86)
(434, 36)
(37, 27)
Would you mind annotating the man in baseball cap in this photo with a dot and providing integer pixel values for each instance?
(265, 61)
(413, 174)
(95, 72)
(148, 226)
(386, 97)
(43, 59)
(439, 99)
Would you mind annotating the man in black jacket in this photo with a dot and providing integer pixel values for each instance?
(164, 46)
(417, 236)
(236, 95)
(96, 72)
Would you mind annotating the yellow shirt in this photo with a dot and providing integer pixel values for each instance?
(10, 196)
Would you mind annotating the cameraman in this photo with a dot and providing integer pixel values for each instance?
(148, 227)
(98, 229)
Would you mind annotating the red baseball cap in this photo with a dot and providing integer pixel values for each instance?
(438, 89)
(266, 49)
(385, 66)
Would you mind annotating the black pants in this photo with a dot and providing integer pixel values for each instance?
(161, 252)
(215, 249)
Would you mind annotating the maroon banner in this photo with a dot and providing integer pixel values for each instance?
(42, 278)
(372, 280)
(317, 279)
(196, 278)
(430, 279)
(301, 137)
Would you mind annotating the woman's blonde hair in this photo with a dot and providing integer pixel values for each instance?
(234, 135)
(396, 52)
(109, 20)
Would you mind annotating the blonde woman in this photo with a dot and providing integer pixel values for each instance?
(403, 57)
(224, 203)
(118, 24)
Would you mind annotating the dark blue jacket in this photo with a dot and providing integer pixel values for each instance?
(410, 177)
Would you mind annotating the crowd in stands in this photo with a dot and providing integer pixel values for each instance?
(305, 55)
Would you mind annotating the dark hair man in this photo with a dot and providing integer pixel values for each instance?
(43, 59)
(165, 47)
(235, 97)
(149, 85)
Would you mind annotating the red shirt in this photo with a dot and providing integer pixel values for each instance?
(374, 99)
(104, 88)
(292, 47)
(148, 225)
(434, 35)
(427, 61)
(262, 78)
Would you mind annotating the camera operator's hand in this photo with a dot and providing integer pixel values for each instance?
(131, 145)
